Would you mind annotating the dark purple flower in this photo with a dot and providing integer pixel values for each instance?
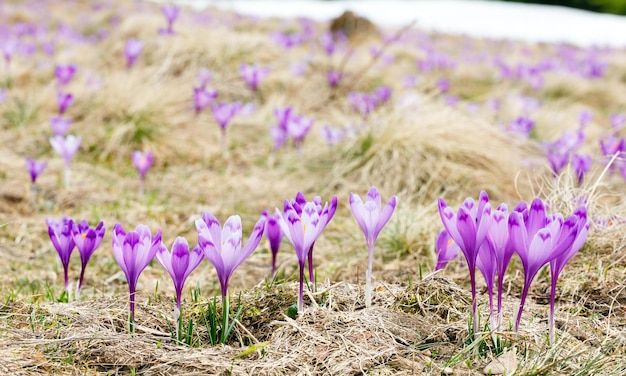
(468, 228)
(60, 125)
(203, 97)
(64, 73)
(558, 160)
(372, 217)
(64, 100)
(60, 233)
(253, 75)
(132, 50)
(133, 251)
(382, 94)
(35, 168)
(142, 162)
(87, 239)
(611, 145)
(274, 235)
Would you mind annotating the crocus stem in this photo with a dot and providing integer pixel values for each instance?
(368, 278)
(131, 319)
(79, 286)
(500, 282)
(300, 294)
(67, 282)
(142, 186)
(66, 177)
(225, 311)
(474, 303)
(311, 276)
(273, 265)
(223, 141)
(177, 316)
(521, 304)
(555, 277)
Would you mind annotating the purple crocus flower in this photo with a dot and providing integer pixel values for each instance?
(538, 238)
(132, 50)
(581, 165)
(617, 120)
(203, 97)
(4, 93)
(35, 168)
(66, 146)
(362, 103)
(253, 75)
(222, 247)
(223, 113)
(558, 263)
(204, 76)
(142, 162)
(60, 125)
(133, 251)
(170, 12)
(611, 145)
(274, 235)
(487, 264)
(179, 264)
(443, 84)
(498, 239)
(382, 94)
(585, 118)
(468, 228)
(522, 125)
(303, 224)
(558, 160)
(447, 249)
(298, 128)
(333, 78)
(87, 239)
(64, 73)
(60, 233)
(372, 217)
(64, 100)
(333, 135)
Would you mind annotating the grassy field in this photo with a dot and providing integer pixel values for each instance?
(427, 141)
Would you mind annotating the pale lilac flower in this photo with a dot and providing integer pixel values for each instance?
(302, 223)
(581, 165)
(66, 146)
(372, 217)
(617, 120)
(142, 162)
(538, 238)
(60, 125)
(204, 76)
(133, 252)
(203, 97)
(558, 263)
(132, 50)
(4, 94)
(64, 100)
(611, 145)
(170, 12)
(585, 117)
(64, 73)
(333, 135)
(60, 233)
(179, 264)
(87, 240)
(35, 168)
(253, 75)
(558, 160)
(522, 125)
(382, 94)
(298, 128)
(443, 84)
(223, 113)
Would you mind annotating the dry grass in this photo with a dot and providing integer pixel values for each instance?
(416, 147)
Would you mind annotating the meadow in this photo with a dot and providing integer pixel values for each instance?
(421, 116)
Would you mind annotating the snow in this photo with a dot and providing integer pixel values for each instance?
(476, 18)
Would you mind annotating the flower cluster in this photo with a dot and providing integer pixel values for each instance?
(489, 238)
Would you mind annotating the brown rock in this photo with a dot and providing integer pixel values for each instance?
(353, 26)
